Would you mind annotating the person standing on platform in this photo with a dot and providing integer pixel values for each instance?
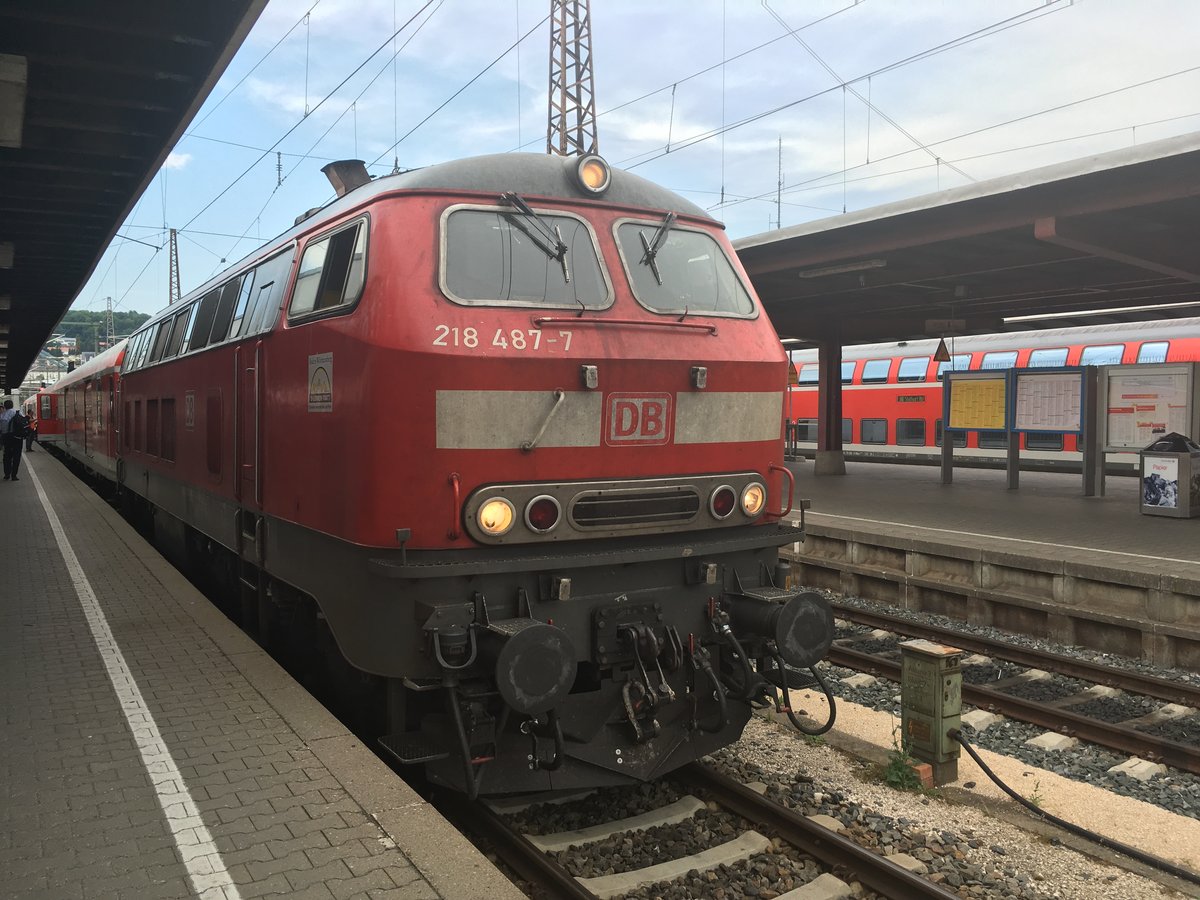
(12, 427)
(31, 431)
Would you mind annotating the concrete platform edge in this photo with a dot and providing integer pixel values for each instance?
(443, 856)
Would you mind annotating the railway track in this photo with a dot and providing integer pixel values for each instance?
(1056, 715)
(531, 855)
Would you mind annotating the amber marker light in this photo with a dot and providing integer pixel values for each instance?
(754, 498)
(496, 517)
(593, 174)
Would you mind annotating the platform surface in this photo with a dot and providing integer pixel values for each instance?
(1048, 510)
(150, 749)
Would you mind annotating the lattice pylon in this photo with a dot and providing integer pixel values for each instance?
(173, 278)
(571, 130)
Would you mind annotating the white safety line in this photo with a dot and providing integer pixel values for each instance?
(1190, 562)
(207, 871)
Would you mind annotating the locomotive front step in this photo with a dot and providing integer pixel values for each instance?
(413, 748)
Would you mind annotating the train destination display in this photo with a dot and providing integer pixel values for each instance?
(1145, 405)
(978, 403)
(1049, 401)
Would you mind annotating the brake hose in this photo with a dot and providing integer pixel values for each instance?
(1154, 862)
(829, 697)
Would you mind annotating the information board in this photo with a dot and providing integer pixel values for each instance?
(978, 403)
(1049, 401)
(1145, 405)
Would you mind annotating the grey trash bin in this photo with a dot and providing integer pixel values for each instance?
(1170, 469)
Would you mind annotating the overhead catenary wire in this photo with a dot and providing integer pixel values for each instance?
(962, 40)
(320, 103)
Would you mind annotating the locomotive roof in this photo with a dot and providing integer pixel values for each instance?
(529, 174)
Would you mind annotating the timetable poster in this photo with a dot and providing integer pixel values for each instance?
(1144, 406)
(1050, 402)
(978, 402)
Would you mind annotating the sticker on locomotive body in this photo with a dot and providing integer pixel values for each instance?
(320, 382)
(518, 339)
(643, 419)
(189, 410)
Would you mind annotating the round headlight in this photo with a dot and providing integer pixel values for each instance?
(754, 498)
(722, 502)
(496, 517)
(593, 174)
(542, 513)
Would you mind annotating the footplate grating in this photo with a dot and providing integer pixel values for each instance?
(412, 749)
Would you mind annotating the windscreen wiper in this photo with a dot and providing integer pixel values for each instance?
(651, 247)
(548, 239)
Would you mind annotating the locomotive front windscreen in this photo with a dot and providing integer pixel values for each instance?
(686, 271)
(498, 257)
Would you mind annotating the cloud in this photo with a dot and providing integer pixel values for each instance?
(177, 160)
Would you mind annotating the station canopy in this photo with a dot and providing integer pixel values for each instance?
(1106, 239)
(93, 96)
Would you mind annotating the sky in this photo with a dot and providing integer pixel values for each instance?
(855, 104)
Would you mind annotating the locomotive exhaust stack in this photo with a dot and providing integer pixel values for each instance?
(346, 174)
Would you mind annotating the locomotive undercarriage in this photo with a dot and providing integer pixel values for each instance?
(516, 671)
(597, 675)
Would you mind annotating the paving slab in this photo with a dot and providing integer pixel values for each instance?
(151, 749)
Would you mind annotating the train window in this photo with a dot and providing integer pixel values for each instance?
(847, 431)
(269, 280)
(1102, 355)
(689, 272)
(993, 440)
(193, 311)
(809, 374)
(230, 291)
(875, 371)
(1043, 442)
(847, 372)
(243, 301)
(45, 413)
(1153, 352)
(500, 258)
(182, 321)
(806, 429)
(913, 368)
(203, 320)
(1044, 358)
(131, 353)
(161, 332)
(958, 438)
(910, 432)
(959, 362)
(999, 359)
(143, 346)
(330, 271)
(874, 431)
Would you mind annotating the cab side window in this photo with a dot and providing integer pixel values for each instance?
(331, 271)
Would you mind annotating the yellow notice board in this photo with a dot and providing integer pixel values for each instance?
(978, 403)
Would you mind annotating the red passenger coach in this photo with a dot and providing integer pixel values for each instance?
(46, 409)
(509, 431)
(87, 402)
(892, 393)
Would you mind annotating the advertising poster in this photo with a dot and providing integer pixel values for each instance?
(1145, 406)
(1160, 482)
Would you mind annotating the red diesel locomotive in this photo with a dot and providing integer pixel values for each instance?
(507, 435)
(892, 393)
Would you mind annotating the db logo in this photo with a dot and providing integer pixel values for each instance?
(638, 419)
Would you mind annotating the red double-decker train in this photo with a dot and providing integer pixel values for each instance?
(892, 393)
(503, 439)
